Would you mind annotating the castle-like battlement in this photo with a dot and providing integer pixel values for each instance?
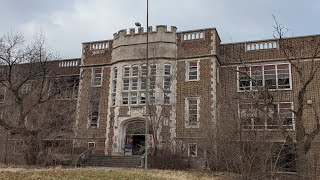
(131, 44)
(141, 31)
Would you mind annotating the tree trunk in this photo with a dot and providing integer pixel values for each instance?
(31, 150)
(301, 161)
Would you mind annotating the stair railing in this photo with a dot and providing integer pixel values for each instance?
(83, 156)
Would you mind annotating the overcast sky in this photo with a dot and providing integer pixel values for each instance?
(68, 23)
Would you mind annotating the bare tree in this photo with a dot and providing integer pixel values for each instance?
(242, 143)
(26, 75)
(303, 55)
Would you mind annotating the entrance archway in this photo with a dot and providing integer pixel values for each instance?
(133, 136)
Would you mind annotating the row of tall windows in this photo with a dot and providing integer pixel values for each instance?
(134, 78)
(270, 76)
(271, 116)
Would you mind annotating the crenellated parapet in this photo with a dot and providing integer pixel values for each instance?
(142, 31)
(131, 45)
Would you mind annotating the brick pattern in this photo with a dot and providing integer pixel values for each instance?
(235, 52)
(202, 89)
(196, 47)
(87, 94)
(92, 58)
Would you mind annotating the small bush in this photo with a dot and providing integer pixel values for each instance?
(165, 159)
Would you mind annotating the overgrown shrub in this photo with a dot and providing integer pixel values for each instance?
(165, 159)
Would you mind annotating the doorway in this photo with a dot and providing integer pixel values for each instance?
(138, 142)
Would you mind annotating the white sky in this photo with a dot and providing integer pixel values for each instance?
(68, 23)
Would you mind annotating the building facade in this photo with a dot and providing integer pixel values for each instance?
(196, 84)
(182, 88)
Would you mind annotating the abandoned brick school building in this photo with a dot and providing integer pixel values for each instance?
(195, 81)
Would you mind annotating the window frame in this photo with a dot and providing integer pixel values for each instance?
(187, 112)
(252, 124)
(167, 77)
(113, 99)
(136, 98)
(251, 86)
(127, 99)
(94, 144)
(94, 77)
(189, 149)
(124, 73)
(90, 124)
(188, 70)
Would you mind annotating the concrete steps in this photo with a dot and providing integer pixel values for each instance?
(113, 161)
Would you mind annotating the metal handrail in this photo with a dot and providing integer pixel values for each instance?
(83, 156)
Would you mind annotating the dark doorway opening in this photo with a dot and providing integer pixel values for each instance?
(138, 142)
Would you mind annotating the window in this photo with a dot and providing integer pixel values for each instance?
(152, 82)
(113, 99)
(192, 70)
(166, 83)
(166, 97)
(126, 71)
(143, 70)
(256, 75)
(2, 93)
(65, 87)
(270, 76)
(283, 76)
(26, 88)
(192, 149)
(244, 78)
(114, 85)
(271, 116)
(153, 69)
(142, 98)
(91, 144)
(126, 84)
(166, 120)
(143, 84)
(94, 114)
(192, 111)
(97, 76)
(125, 99)
(134, 98)
(167, 69)
(134, 84)
(286, 115)
(167, 77)
(115, 73)
(111, 122)
(135, 71)
(152, 97)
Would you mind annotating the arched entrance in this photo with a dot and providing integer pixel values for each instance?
(134, 137)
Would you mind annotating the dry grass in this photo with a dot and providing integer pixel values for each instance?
(66, 174)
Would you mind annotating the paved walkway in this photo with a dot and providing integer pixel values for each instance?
(52, 169)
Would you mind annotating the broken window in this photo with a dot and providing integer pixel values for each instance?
(94, 114)
(192, 111)
(192, 149)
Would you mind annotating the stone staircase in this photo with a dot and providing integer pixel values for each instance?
(112, 161)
